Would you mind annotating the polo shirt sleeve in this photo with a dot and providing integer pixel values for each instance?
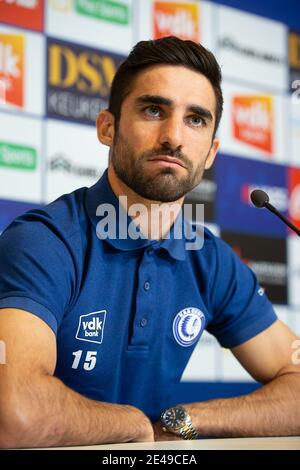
(241, 308)
(36, 269)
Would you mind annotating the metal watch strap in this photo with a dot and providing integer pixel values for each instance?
(188, 432)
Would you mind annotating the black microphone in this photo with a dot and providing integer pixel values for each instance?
(261, 199)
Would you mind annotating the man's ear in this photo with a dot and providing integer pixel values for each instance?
(106, 127)
(212, 154)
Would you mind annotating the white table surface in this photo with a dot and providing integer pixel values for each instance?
(255, 443)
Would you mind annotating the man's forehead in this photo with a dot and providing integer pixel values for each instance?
(175, 83)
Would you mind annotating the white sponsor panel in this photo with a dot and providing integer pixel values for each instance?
(204, 362)
(293, 249)
(75, 158)
(254, 124)
(22, 70)
(294, 129)
(187, 20)
(20, 158)
(252, 49)
(107, 25)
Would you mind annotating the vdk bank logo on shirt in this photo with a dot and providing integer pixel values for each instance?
(91, 327)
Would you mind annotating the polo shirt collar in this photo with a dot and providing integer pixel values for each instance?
(102, 193)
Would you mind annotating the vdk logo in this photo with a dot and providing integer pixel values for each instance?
(91, 327)
(176, 19)
(188, 326)
(252, 121)
(12, 69)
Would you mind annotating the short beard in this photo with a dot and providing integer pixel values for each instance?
(165, 186)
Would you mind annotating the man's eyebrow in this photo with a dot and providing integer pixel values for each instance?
(200, 111)
(157, 99)
(154, 99)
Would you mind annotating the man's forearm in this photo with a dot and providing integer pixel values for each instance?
(48, 413)
(272, 410)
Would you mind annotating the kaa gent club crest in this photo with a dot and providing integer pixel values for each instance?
(188, 326)
(91, 327)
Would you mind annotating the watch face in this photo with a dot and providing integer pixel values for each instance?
(174, 417)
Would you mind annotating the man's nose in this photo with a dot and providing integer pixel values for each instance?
(171, 132)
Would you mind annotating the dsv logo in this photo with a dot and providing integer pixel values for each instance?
(87, 71)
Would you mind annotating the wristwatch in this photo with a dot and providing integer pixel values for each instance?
(178, 421)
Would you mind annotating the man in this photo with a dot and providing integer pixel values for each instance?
(99, 329)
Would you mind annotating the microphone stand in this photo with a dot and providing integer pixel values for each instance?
(284, 219)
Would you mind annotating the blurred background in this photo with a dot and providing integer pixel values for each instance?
(57, 60)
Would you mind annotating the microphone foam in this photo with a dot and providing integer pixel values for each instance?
(259, 197)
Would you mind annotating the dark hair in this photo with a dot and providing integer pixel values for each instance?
(168, 50)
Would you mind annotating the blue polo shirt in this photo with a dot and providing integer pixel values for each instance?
(127, 313)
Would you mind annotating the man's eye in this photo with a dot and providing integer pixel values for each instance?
(197, 121)
(152, 111)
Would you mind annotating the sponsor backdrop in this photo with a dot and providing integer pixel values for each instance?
(57, 61)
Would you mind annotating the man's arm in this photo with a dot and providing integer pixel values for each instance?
(38, 410)
(272, 410)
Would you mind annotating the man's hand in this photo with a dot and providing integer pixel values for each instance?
(272, 410)
(160, 435)
(39, 410)
(145, 430)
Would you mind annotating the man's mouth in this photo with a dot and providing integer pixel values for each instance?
(165, 159)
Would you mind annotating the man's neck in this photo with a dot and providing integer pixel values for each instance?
(154, 218)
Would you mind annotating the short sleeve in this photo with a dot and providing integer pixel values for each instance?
(241, 307)
(36, 269)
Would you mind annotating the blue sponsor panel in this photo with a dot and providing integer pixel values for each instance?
(267, 257)
(236, 179)
(286, 12)
(9, 210)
